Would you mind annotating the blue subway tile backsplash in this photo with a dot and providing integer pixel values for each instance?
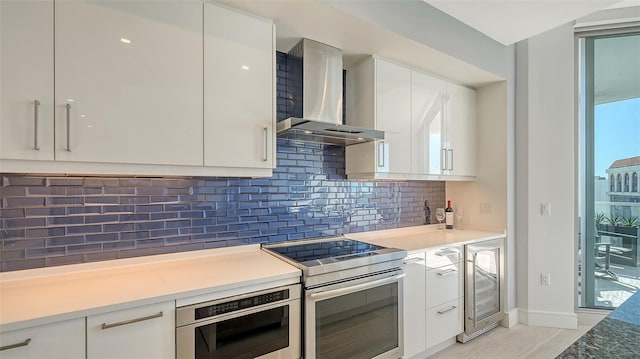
(58, 220)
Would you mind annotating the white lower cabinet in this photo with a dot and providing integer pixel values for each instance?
(141, 332)
(433, 299)
(444, 321)
(445, 294)
(414, 305)
(62, 340)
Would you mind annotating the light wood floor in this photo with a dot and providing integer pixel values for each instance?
(519, 342)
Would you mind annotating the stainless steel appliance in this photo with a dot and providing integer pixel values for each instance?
(263, 324)
(353, 297)
(483, 287)
(319, 101)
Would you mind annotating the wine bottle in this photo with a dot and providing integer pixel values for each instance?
(448, 216)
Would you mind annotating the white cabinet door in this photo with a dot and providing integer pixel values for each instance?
(62, 340)
(427, 116)
(460, 129)
(239, 116)
(26, 80)
(128, 82)
(393, 116)
(142, 332)
(414, 305)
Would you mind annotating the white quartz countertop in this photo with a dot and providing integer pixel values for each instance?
(423, 237)
(39, 296)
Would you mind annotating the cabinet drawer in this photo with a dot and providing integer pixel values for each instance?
(63, 340)
(444, 256)
(141, 332)
(443, 284)
(444, 322)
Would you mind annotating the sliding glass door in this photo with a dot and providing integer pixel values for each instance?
(609, 256)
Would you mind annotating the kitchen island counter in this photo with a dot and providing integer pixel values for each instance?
(615, 336)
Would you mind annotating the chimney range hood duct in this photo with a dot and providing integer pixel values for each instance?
(321, 101)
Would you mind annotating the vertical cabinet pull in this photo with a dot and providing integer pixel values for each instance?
(131, 321)
(381, 154)
(451, 157)
(36, 107)
(443, 159)
(16, 345)
(68, 106)
(266, 144)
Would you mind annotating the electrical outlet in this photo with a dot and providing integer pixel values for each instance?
(545, 279)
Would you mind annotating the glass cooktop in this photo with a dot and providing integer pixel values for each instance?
(331, 248)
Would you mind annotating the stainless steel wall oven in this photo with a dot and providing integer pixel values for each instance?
(264, 324)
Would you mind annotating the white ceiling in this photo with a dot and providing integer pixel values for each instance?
(509, 21)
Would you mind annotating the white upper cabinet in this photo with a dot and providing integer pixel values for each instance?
(387, 108)
(460, 129)
(26, 80)
(428, 124)
(128, 83)
(239, 107)
(427, 116)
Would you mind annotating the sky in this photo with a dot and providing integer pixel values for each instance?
(617, 133)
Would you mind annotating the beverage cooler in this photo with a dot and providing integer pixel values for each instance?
(483, 287)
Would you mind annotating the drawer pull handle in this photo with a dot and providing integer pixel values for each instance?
(130, 321)
(413, 260)
(447, 272)
(445, 253)
(17, 345)
(447, 310)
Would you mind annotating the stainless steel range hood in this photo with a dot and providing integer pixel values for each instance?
(319, 69)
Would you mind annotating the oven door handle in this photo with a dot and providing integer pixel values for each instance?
(354, 288)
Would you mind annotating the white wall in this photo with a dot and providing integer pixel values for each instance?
(545, 170)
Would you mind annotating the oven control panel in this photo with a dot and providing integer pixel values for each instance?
(241, 303)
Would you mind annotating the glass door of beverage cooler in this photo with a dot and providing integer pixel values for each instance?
(483, 285)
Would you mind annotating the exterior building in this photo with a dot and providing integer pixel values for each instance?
(624, 192)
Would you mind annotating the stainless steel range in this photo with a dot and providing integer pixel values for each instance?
(353, 296)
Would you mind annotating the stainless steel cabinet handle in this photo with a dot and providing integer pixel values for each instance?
(36, 107)
(266, 144)
(413, 260)
(16, 345)
(68, 106)
(447, 272)
(443, 159)
(446, 252)
(381, 154)
(130, 321)
(354, 288)
(450, 162)
(447, 310)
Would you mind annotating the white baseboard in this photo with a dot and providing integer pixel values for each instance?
(510, 318)
(539, 318)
